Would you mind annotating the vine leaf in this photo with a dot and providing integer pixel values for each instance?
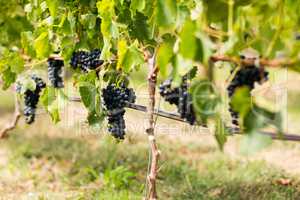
(53, 7)
(122, 49)
(137, 5)
(164, 55)
(51, 103)
(259, 117)
(8, 78)
(166, 13)
(11, 65)
(129, 57)
(109, 27)
(241, 101)
(139, 28)
(42, 45)
(221, 133)
(88, 94)
(91, 99)
(188, 40)
(16, 63)
(27, 40)
(253, 116)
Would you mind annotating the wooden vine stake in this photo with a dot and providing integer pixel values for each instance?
(12, 124)
(151, 178)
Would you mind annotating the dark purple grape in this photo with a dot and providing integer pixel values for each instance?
(180, 97)
(55, 72)
(85, 60)
(114, 100)
(31, 99)
(246, 76)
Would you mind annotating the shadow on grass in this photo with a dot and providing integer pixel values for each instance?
(121, 168)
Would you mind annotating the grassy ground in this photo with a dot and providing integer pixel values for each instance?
(48, 162)
(70, 161)
(42, 166)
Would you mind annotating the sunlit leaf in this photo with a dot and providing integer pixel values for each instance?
(53, 7)
(188, 40)
(42, 45)
(164, 55)
(166, 12)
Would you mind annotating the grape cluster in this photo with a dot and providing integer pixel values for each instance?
(86, 60)
(185, 106)
(31, 99)
(180, 97)
(170, 94)
(246, 76)
(55, 72)
(115, 99)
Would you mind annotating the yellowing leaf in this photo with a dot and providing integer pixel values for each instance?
(122, 49)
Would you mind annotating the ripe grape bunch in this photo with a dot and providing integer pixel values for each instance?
(31, 99)
(246, 76)
(85, 60)
(180, 97)
(115, 99)
(55, 72)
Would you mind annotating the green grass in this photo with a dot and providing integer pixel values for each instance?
(103, 169)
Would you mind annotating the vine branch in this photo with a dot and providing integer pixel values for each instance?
(262, 62)
(11, 125)
(152, 78)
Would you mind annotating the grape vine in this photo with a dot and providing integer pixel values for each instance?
(168, 37)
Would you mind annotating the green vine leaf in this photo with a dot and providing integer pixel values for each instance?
(137, 5)
(166, 13)
(164, 55)
(221, 133)
(27, 41)
(42, 45)
(8, 78)
(241, 101)
(49, 100)
(53, 7)
(129, 57)
(188, 40)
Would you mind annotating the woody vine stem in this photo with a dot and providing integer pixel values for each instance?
(152, 78)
